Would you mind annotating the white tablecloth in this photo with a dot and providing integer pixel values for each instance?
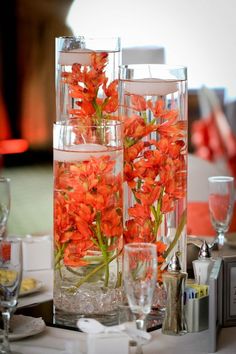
(55, 340)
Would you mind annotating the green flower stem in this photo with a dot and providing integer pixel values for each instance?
(177, 234)
(103, 247)
(144, 116)
(95, 270)
(130, 142)
(157, 214)
(59, 255)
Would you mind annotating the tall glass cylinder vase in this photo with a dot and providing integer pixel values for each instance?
(88, 220)
(154, 110)
(86, 78)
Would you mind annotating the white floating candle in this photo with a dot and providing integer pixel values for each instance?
(151, 87)
(75, 56)
(79, 152)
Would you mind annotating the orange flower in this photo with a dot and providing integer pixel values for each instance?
(134, 127)
(5, 251)
(139, 211)
(85, 82)
(138, 103)
(74, 253)
(138, 231)
(149, 194)
(129, 175)
(157, 110)
(111, 224)
(88, 198)
(99, 61)
(133, 152)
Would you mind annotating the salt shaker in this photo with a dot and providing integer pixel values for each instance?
(174, 283)
(203, 265)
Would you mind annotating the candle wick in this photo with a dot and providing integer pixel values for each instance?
(149, 70)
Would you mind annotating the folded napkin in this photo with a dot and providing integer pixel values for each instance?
(37, 252)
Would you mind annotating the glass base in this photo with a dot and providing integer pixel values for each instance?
(66, 319)
(155, 318)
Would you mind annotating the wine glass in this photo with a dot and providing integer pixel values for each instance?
(221, 204)
(4, 203)
(10, 280)
(140, 275)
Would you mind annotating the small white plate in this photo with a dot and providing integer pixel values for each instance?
(25, 326)
(38, 286)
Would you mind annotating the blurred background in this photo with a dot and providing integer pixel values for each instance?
(197, 34)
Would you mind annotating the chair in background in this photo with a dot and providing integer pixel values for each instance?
(143, 55)
(199, 170)
(212, 135)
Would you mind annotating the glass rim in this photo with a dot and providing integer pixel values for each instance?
(11, 239)
(216, 179)
(136, 245)
(82, 43)
(167, 66)
(105, 123)
(89, 37)
(154, 72)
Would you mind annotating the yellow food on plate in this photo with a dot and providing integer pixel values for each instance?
(7, 277)
(28, 284)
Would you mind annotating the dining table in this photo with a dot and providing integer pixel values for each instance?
(54, 339)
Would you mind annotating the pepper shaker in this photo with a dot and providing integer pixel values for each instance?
(174, 283)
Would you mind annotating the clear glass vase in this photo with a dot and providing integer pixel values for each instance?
(153, 106)
(88, 220)
(86, 78)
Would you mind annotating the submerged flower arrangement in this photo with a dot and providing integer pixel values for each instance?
(87, 215)
(88, 200)
(154, 169)
(95, 98)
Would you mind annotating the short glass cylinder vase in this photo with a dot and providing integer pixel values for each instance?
(88, 220)
(86, 78)
(153, 107)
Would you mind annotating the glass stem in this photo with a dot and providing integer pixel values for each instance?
(221, 238)
(5, 348)
(140, 324)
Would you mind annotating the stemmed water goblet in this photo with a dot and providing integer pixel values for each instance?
(140, 275)
(10, 280)
(221, 204)
(4, 203)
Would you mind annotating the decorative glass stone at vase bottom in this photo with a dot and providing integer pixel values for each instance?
(90, 300)
(88, 211)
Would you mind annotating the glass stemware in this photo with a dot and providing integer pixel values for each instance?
(4, 203)
(140, 275)
(221, 204)
(10, 280)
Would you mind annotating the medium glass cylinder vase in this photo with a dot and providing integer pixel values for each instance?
(153, 106)
(86, 78)
(88, 220)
